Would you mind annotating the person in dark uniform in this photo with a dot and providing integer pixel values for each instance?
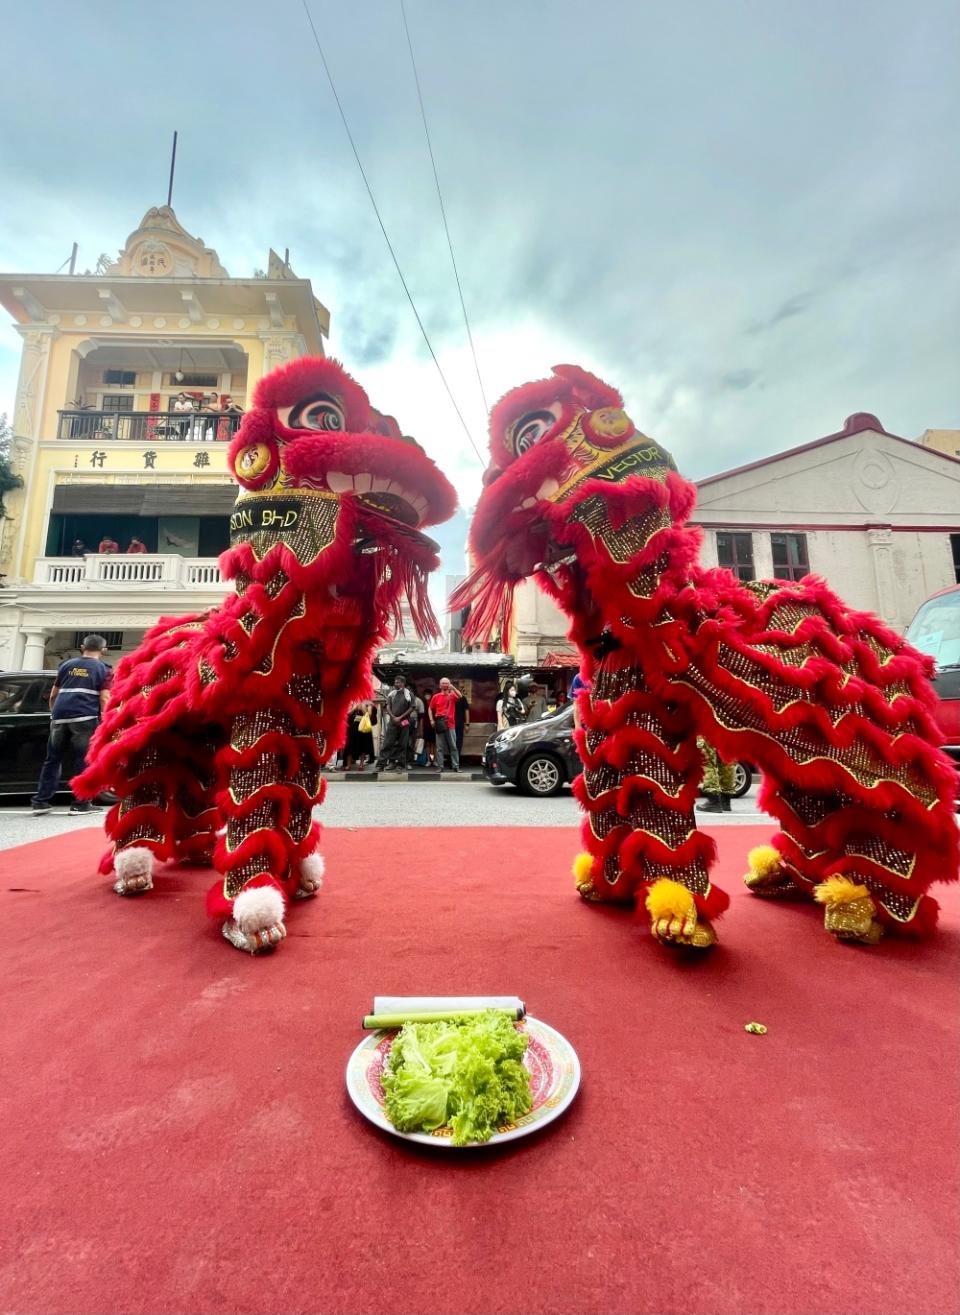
(77, 699)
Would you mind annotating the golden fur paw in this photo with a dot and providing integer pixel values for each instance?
(673, 916)
(848, 911)
(767, 876)
(583, 866)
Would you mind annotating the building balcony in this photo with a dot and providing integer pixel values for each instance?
(106, 571)
(148, 426)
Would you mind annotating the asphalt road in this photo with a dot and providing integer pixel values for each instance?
(355, 804)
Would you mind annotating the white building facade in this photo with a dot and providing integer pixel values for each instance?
(105, 455)
(877, 516)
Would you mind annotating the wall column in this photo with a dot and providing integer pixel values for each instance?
(34, 648)
(880, 544)
(28, 412)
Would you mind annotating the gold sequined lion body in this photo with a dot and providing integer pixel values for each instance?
(832, 705)
(218, 725)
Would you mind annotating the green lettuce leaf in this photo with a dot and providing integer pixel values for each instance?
(466, 1073)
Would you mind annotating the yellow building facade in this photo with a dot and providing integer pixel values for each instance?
(106, 447)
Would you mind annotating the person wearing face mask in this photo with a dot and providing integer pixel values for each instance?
(510, 710)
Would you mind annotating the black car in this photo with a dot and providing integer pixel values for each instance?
(537, 757)
(24, 728)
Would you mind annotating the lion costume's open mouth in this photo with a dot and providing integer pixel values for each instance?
(381, 494)
(387, 477)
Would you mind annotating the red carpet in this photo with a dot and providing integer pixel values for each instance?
(177, 1136)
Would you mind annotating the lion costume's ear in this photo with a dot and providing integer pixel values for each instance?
(588, 389)
(254, 455)
(384, 424)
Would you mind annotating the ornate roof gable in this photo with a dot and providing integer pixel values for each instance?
(162, 248)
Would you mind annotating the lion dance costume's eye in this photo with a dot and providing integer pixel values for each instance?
(319, 412)
(529, 429)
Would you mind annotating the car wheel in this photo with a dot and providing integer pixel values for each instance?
(541, 774)
(742, 779)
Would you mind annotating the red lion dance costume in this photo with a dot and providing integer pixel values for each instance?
(828, 702)
(219, 723)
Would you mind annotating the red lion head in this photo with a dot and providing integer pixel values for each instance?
(312, 427)
(332, 492)
(554, 444)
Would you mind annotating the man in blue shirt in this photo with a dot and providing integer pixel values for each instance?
(77, 699)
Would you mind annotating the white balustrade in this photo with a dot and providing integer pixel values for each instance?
(51, 571)
(138, 568)
(201, 571)
(121, 571)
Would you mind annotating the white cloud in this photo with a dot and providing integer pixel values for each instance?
(744, 221)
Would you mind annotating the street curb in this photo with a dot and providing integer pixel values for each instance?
(403, 778)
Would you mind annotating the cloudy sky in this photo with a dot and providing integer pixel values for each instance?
(744, 213)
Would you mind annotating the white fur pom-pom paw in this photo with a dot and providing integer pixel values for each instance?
(311, 876)
(257, 922)
(134, 869)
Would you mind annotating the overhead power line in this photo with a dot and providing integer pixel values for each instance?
(386, 237)
(443, 212)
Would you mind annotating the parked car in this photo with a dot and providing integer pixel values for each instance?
(539, 757)
(935, 630)
(24, 728)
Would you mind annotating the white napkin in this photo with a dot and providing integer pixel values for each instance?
(436, 1004)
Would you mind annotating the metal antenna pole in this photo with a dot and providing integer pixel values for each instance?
(173, 162)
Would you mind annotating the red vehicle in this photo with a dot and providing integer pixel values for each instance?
(936, 630)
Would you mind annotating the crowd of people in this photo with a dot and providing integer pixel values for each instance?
(412, 727)
(195, 416)
(405, 727)
(108, 544)
(399, 730)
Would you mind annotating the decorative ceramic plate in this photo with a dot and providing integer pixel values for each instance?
(550, 1060)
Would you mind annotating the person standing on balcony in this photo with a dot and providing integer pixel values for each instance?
(228, 426)
(108, 544)
(79, 548)
(184, 403)
(137, 545)
(215, 407)
(77, 700)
